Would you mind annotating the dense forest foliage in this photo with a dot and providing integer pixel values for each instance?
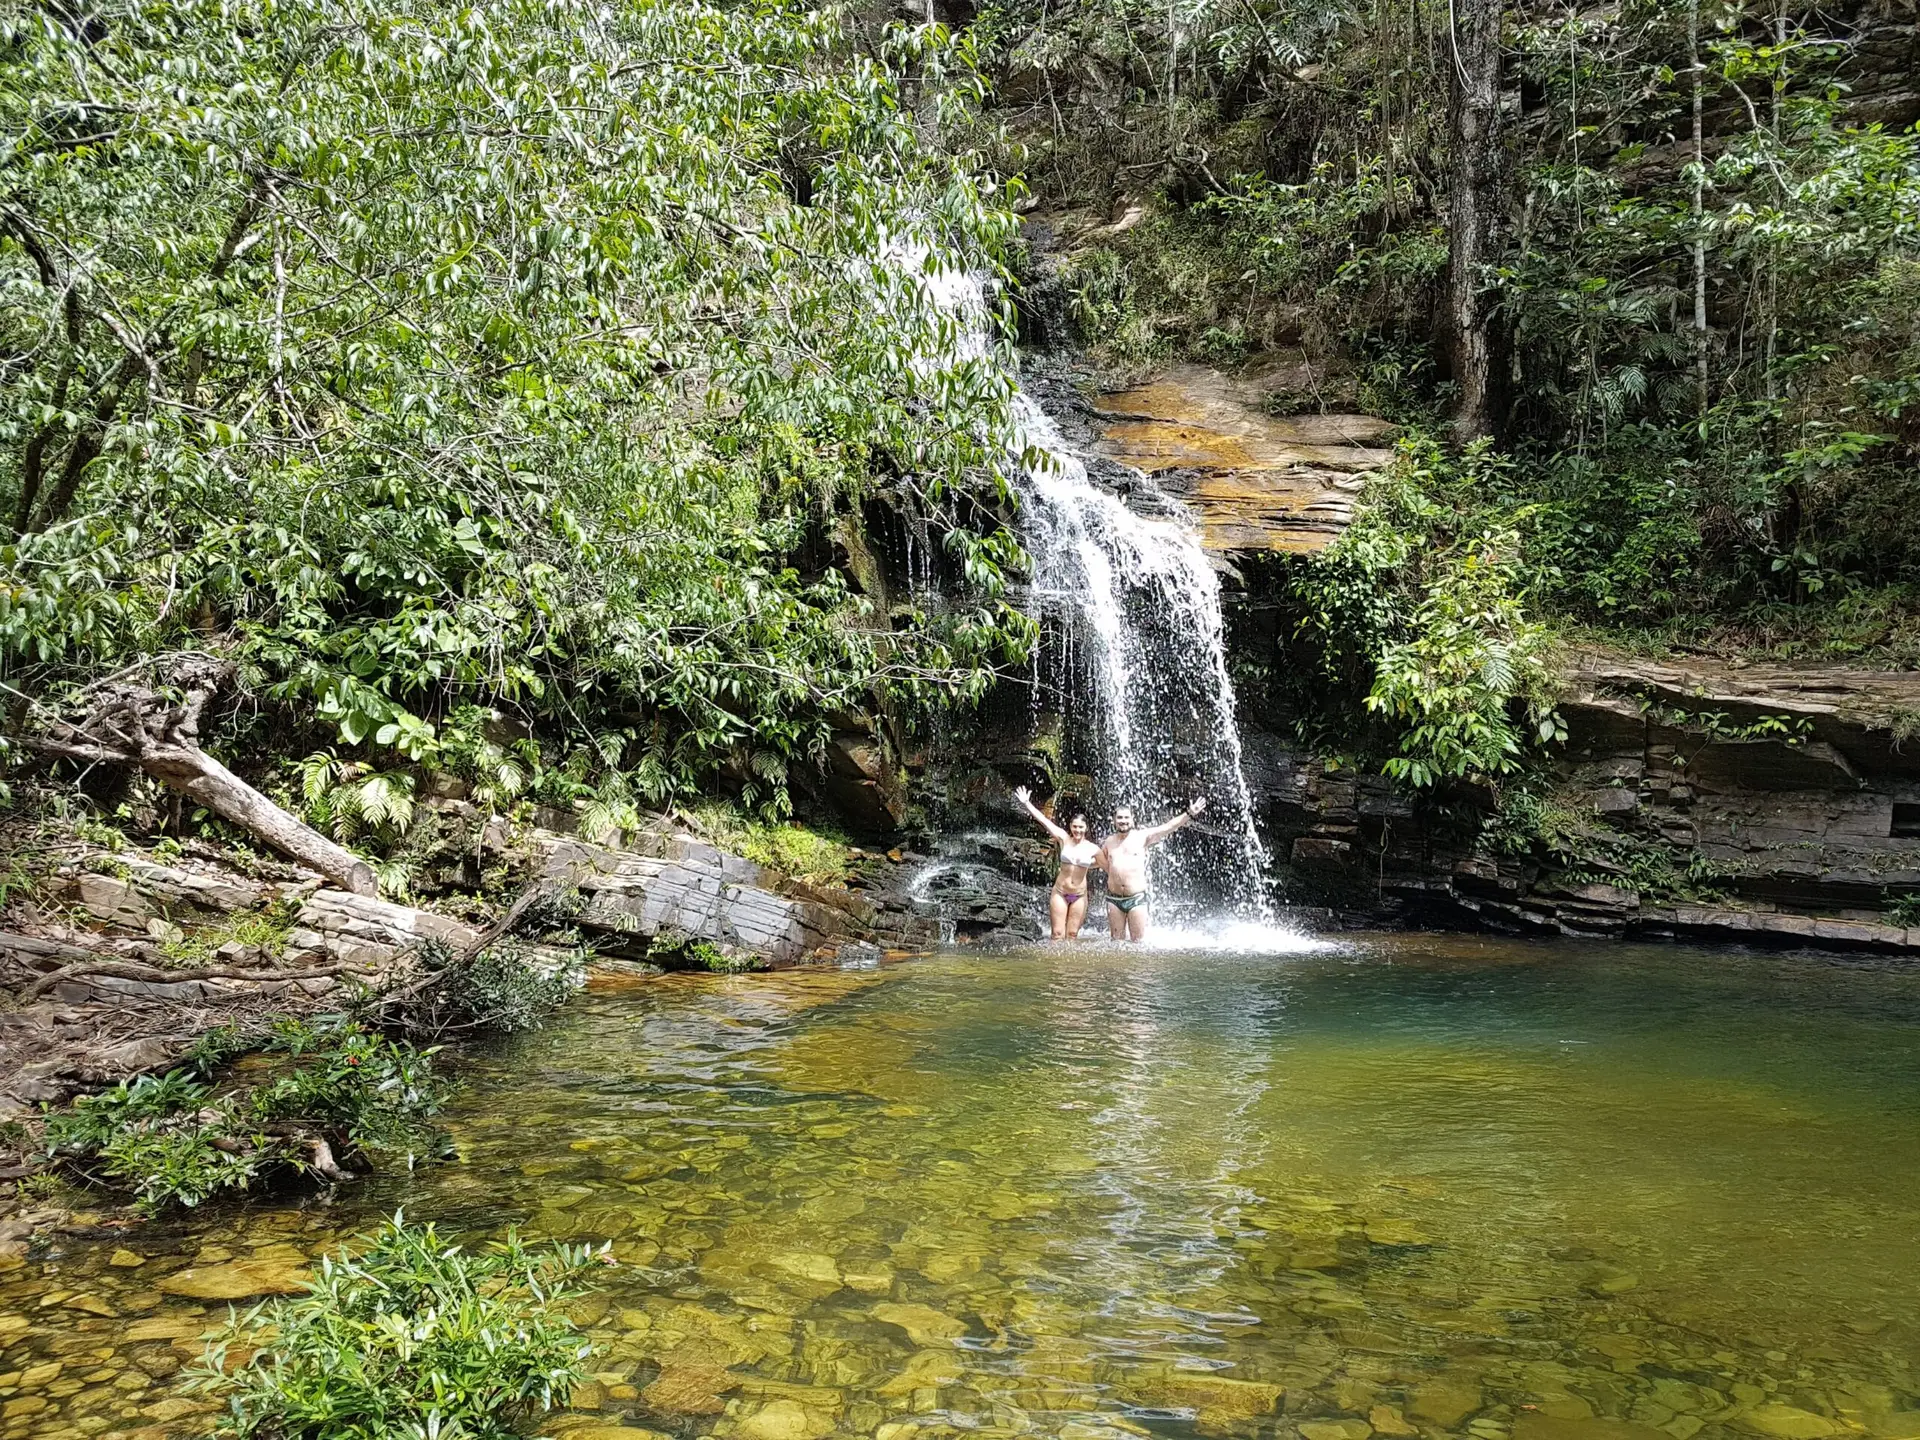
(437, 366)
(505, 390)
(1694, 279)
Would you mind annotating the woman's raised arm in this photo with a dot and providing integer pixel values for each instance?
(1025, 798)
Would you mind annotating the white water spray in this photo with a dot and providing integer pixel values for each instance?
(1130, 612)
(1135, 606)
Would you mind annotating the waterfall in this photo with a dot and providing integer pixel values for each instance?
(1132, 639)
(1131, 609)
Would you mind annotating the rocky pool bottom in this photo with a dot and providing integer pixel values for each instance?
(1409, 1186)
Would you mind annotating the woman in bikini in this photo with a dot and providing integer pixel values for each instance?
(1067, 905)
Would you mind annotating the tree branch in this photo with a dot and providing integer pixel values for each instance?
(132, 970)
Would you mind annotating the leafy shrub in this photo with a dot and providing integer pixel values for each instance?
(159, 1137)
(507, 986)
(146, 1097)
(1619, 542)
(411, 1337)
(675, 950)
(1104, 309)
(181, 1161)
(352, 801)
(216, 1047)
(174, 1142)
(1471, 658)
(1416, 616)
(375, 1092)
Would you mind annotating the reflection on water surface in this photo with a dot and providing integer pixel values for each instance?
(1423, 1186)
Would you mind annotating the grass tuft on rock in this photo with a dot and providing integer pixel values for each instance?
(812, 856)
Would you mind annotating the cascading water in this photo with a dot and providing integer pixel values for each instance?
(1130, 612)
(1132, 608)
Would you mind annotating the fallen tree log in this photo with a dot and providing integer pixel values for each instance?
(133, 970)
(130, 724)
(32, 947)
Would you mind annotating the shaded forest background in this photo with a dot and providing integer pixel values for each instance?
(547, 398)
(1699, 275)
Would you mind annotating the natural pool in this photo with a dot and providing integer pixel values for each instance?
(1433, 1185)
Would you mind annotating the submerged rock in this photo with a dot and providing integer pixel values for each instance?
(1214, 1397)
(1335, 1429)
(924, 1325)
(806, 1271)
(238, 1280)
(785, 1420)
(1532, 1425)
(1444, 1402)
(690, 1390)
(1387, 1420)
(928, 1369)
(875, 1278)
(1787, 1422)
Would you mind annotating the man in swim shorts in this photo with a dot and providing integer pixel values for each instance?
(1123, 855)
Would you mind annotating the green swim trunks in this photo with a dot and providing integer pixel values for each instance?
(1127, 904)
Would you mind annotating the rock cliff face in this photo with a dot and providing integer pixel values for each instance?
(1253, 482)
(1761, 806)
(1758, 805)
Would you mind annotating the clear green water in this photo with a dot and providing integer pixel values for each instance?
(1434, 1185)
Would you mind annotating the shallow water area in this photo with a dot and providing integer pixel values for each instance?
(1414, 1185)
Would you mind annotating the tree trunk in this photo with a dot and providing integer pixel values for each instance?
(130, 723)
(1477, 209)
(1700, 359)
(200, 777)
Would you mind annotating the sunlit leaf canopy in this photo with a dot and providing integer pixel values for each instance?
(427, 355)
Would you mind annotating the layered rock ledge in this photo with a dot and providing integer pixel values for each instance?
(1694, 800)
(1254, 482)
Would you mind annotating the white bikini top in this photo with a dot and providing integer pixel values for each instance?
(1085, 853)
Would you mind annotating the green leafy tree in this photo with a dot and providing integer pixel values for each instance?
(1416, 622)
(424, 355)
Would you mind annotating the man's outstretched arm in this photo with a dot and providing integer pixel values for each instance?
(1159, 832)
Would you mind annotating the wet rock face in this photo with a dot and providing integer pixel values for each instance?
(1254, 481)
(977, 900)
(864, 787)
(1679, 819)
(681, 886)
(672, 884)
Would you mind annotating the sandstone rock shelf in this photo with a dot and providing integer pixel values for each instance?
(1693, 800)
(1255, 482)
